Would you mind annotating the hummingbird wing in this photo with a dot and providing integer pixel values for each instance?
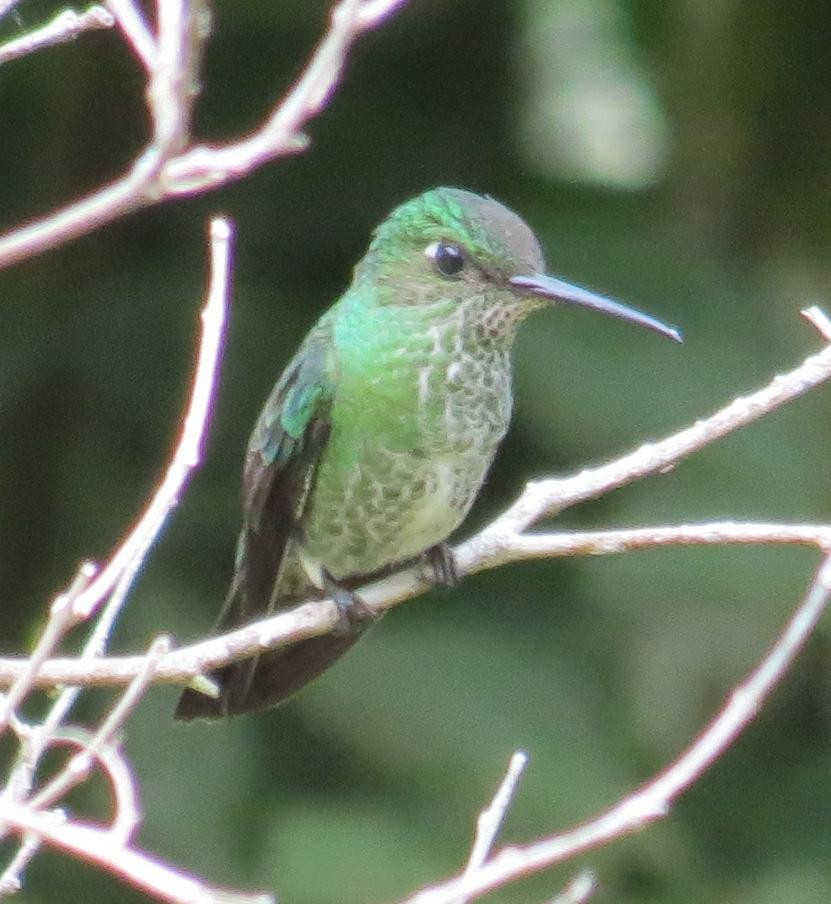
(281, 463)
(280, 467)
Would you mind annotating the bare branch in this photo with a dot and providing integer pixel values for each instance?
(167, 167)
(171, 59)
(206, 167)
(27, 815)
(189, 449)
(66, 26)
(653, 800)
(519, 547)
(170, 165)
(319, 617)
(103, 206)
(141, 870)
(174, 80)
(11, 881)
(545, 498)
(820, 320)
(61, 619)
(579, 890)
(99, 746)
(126, 809)
(119, 574)
(130, 20)
(491, 818)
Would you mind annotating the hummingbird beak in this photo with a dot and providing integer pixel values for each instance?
(559, 290)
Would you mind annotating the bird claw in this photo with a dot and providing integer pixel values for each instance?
(354, 616)
(441, 561)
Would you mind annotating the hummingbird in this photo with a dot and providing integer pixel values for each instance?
(377, 437)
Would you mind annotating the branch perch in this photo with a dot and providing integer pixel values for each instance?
(653, 800)
(171, 165)
(499, 543)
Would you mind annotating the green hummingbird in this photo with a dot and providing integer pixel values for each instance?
(376, 439)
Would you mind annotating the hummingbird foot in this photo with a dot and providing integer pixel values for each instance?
(442, 563)
(354, 616)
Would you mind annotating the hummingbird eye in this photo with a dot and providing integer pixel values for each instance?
(447, 257)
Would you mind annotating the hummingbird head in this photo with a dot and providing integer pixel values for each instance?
(451, 244)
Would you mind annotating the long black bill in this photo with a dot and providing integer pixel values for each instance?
(559, 290)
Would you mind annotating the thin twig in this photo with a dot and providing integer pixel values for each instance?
(189, 449)
(30, 819)
(123, 566)
(33, 739)
(66, 26)
(66, 612)
(6, 6)
(492, 817)
(167, 883)
(126, 808)
(168, 91)
(130, 20)
(653, 800)
(819, 319)
(318, 617)
(97, 747)
(164, 169)
(61, 619)
(614, 542)
(205, 167)
(579, 890)
(12, 879)
(545, 498)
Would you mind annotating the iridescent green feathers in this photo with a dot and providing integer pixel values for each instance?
(497, 240)
(283, 454)
(377, 438)
(293, 425)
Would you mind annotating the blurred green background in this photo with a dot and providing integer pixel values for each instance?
(673, 154)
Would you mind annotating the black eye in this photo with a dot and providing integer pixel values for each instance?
(447, 257)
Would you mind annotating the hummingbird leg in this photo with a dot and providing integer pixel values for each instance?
(354, 614)
(442, 562)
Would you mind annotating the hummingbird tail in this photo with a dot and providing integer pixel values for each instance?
(263, 681)
(266, 680)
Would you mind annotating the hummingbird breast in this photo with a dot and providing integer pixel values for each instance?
(423, 399)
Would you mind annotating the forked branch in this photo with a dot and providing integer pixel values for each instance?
(505, 540)
(654, 799)
(170, 164)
